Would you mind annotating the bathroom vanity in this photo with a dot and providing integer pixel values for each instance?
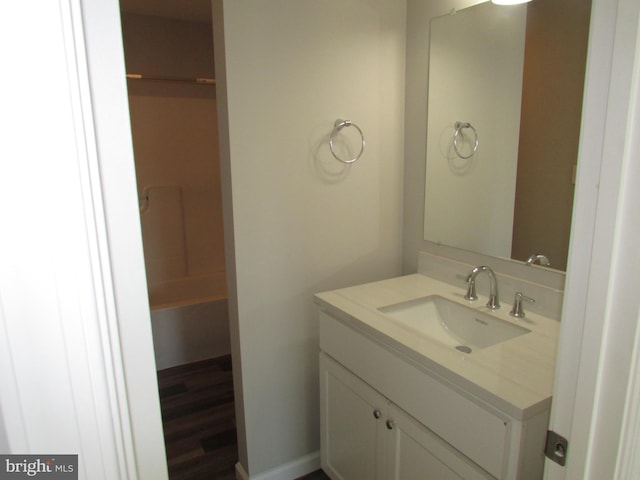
(400, 401)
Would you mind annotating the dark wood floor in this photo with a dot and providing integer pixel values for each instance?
(199, 421)
(319, 475)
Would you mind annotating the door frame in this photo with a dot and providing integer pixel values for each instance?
(596, 351)
(76, 351)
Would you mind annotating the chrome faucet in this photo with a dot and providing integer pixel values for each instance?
(539, 259)
(493, 302)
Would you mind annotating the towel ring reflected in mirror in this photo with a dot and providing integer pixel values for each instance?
(459, 127)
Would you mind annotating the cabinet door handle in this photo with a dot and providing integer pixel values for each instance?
(390, 424)
(377, 413)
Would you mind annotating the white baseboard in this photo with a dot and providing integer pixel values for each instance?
(240, 473)
(288, 471)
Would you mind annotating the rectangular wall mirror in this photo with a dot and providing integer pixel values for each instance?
(505, 101)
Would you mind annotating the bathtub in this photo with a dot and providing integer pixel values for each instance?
(189, 319)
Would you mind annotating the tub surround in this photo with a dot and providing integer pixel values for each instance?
(190, 319)
(189, 333)
(174, 132)
(515, 376)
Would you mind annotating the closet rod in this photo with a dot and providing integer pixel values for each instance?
(199, 81)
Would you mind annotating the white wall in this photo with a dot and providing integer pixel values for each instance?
(302, 221)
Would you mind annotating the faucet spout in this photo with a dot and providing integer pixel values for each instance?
(539, 259)
(494, 302)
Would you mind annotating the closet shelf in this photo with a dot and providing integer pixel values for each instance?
(196, 80)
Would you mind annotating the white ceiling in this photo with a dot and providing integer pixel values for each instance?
(191, 10)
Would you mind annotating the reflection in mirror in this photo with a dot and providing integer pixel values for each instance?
(516, 75)
(475, 76)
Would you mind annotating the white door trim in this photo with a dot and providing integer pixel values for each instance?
(123, 249)
(76, 356)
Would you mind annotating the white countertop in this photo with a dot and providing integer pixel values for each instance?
(515, 376)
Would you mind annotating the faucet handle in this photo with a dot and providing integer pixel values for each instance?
(517, 310)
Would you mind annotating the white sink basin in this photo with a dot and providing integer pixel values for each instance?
(451, 323)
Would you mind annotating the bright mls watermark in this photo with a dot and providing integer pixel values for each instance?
(51, 467)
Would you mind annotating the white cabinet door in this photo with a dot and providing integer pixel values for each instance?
(352, 425)
(416, 453)
(366, 437)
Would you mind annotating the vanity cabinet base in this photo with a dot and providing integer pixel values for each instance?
(385, 418)
(366, 436)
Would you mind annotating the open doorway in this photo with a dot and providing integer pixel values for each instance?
(172, 104)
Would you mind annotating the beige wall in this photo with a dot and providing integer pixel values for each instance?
(302, 221)
(174, 127)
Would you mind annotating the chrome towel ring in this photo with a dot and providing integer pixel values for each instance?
(459, 127)
(339, 125)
